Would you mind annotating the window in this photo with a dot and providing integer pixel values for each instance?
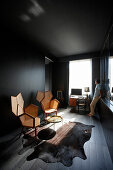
(111, 72)
(80, 75)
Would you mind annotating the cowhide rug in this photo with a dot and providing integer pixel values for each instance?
(65, 145)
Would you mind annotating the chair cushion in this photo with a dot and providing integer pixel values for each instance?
(32, 110)
(29, 122)
(50, 110)
(54, 104)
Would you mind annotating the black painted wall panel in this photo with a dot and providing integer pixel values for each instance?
(60, 79)
(107, 123)
(22, 69)
(106, 113)
(48, 77)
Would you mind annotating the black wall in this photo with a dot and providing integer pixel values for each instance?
(22, 69)
(107, 123)
(48, 77)
(106, 108)
(60, 79)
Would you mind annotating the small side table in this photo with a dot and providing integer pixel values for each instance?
(55, 119)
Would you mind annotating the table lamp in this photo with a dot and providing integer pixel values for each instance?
(86, 89)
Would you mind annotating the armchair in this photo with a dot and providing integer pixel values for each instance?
(49, 106)
(28, 115)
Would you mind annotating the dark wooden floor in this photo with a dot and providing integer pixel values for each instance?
(98, 157)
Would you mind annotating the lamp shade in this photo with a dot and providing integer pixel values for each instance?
(112, 90)
(86, 89)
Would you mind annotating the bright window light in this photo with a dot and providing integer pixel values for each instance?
(80, 75)
(111, 72)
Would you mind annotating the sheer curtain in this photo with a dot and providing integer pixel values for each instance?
(80, 75)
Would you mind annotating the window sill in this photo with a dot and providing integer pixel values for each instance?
(108, 103)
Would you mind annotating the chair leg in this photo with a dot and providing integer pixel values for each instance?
(56, 113)
(35, 132)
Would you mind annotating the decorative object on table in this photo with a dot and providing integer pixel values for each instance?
(86, 89)
(65, 145)
(54, 119)
(28, 115)
(48, 105)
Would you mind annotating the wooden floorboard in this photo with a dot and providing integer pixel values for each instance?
(96, 150)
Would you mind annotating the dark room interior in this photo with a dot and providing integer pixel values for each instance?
(39, 41)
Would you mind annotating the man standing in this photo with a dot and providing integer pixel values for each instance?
(96, 97)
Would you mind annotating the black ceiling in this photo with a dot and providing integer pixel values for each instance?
(60, 27)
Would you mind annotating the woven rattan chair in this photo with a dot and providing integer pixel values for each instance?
(48, 105)
(28, 115)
